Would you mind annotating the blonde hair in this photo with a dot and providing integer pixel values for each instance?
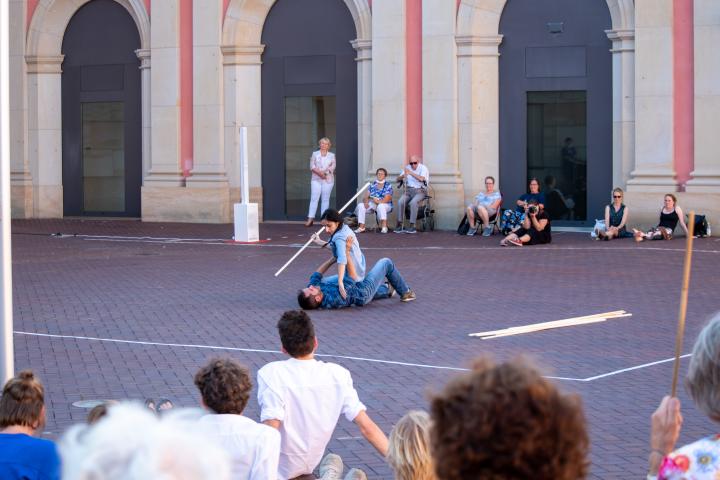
(618, 190)
(325, 139)
(409, 447)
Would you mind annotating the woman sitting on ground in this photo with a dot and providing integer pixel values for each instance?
(535, 228)
(485, 206)
(670, 215)
(700, 459)
(512, 219)
(616, 215)
(377, 198)
(409, 447)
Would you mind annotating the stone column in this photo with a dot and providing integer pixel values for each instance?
(478, 110)
(623, 87)
(144, 56)
(706, 176)
(388, 86)
(439, 109)
(364, 101)
(654, 170)
(209, 161)
(20, 178)
(242, 107)
(164, 169)
(44, 86)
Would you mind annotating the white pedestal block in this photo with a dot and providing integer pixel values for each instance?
(246, 222)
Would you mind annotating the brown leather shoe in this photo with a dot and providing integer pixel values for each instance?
(309, 222)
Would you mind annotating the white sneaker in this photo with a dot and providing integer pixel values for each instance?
(384, 230)
(331, 467)
(360, 230)
(355, 474)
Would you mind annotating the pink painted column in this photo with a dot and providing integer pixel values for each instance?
(147, 7)
(186, 86)
(413, 77)
(683, 90)
(31, 6)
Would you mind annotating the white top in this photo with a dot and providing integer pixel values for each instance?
(307, 396)
(318, 162)
(254, 448)
(413, 182)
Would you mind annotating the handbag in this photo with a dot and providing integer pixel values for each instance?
(464, 226)
(599, 227)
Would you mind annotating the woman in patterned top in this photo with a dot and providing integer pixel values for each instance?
(701, 459)
(377, 198)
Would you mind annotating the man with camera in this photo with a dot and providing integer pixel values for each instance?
(535, 228)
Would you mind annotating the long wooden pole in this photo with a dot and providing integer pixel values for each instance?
(616, 313)
(320, 231)
(683, 302)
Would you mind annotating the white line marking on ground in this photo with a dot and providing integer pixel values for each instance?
(361, 359)
(227, 242)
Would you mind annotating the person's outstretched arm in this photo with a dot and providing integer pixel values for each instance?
(325, 265)
(681, 218)
(664, 432)
(372, 432)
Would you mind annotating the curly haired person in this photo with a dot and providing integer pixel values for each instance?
(505, 421)
(254, 448)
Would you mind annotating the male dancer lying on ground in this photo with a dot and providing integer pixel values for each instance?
(327, 295)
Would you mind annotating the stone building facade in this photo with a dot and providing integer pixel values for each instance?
(133, 107)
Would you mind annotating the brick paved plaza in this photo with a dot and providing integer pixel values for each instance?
(123, 309)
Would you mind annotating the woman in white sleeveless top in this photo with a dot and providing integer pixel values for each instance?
(322, 166)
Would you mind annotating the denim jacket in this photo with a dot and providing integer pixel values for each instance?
(331, 294)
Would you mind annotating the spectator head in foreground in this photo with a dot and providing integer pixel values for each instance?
(700, 459)
(297, 333)
(507, 421)
(131, 443)
(224, 385)
(22, 418)
(409, 447)
(23, 403)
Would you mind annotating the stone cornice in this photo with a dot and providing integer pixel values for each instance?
(478, 45)
(363, 49)
(144, 55)
(46, 64)
(242, 54)
(622, 40)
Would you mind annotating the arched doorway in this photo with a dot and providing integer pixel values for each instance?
(309, 91)
(555, 79)
(101, 112)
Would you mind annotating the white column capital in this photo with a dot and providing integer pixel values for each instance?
(242, 54)
(478, 45)
(144, 55)
(44, 64)
(623, 40)
(363, 49)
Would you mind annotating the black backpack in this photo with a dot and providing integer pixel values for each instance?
(464, 226)
(702, 227)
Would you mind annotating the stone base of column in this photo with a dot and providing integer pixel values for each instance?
(652, 181)
(21, 195)
(704, 182)
(47, 201)
(181, 204)
(644, 208)
(448, 199)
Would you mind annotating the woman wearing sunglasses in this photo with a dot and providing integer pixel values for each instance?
(616, 215)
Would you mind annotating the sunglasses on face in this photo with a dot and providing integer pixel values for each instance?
(413, 163)
(617, 196)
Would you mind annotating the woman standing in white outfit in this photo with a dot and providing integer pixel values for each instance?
(322, 166)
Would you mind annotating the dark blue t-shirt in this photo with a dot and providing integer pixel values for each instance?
(526, 197)
(23, 457)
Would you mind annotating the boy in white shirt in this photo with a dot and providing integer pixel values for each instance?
(303, 398)
(254, 448)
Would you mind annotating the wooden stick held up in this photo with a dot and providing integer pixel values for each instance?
(320, 231)
(683, 302)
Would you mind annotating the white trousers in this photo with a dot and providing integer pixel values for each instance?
(318, 189)
(382, 210)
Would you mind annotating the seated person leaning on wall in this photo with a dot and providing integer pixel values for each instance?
(485, 205)
(535, 229)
